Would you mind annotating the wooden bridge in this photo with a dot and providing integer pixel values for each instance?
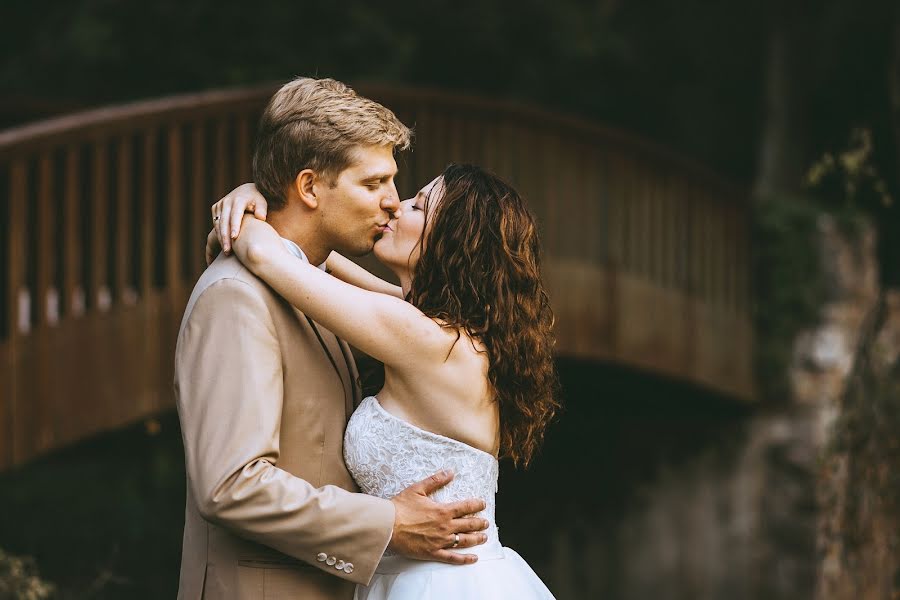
(103, 217)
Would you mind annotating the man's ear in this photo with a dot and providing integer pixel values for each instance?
(304, 186)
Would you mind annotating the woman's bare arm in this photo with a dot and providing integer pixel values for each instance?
(348, 271)
(381, 325)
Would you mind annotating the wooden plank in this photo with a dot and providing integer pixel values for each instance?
(590, 206)
(220, 162)
(680, 217)
(242, 149)
(638, 219)
(490, 146)
(629, 216)
(743, 260)
(99, 291)
(643, 231)
(663, 251)
(175, 227)
(600, 184)
(7, 428)
(579, 201)
(148, 213)
(417, 160)
(501, 162)
(102, 405)
(566, 224)
(18, 182)
(125, 291)
(68, 416)
(729, 256)
(455, 143)
(199, 200)
(149, 247)
(615, 212)
(46, 248)
(714, 250)
(549, 186)
(437, 151)
(532, 179)
(73, 285)
(40, 375)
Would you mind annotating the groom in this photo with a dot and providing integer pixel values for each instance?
(264, 393)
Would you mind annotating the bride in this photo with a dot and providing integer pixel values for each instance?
(466, 343)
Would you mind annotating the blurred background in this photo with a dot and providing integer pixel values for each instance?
(716, 185)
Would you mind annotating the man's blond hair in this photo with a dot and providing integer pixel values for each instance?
(314, 124)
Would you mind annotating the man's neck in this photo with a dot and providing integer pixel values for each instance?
(302, 230)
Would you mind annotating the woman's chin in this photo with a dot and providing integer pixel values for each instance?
(379, 251)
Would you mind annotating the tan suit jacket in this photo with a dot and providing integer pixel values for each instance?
(272, 512)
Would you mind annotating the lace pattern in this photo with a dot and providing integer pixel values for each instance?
(386, 454)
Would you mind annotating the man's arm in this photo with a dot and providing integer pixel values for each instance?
(229, 385)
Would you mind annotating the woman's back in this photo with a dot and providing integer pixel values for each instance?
(449, 395)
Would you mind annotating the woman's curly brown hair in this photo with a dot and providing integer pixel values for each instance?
(479, 270)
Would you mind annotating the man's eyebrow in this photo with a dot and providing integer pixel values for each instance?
(377, 176)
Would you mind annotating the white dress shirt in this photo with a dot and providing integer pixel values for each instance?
(297, 251)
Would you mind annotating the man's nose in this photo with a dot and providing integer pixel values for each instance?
(391, 202)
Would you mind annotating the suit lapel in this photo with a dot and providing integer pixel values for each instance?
(348, 383)
(354, 373)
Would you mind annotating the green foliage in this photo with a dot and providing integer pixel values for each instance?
(788, 283)
(850, 180)
(641, 66)
(19, 579)
(849, 184)
(788, 277)
(103, 519)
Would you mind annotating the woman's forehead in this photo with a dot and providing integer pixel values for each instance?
(428, 187)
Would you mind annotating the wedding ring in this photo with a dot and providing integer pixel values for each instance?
(455, 540)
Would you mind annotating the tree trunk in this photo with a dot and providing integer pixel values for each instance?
(783, 144)
(894, 87)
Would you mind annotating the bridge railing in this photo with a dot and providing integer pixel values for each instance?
(103, 216)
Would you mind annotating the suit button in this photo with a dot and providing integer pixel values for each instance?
(348, 568)
(321, 556)
(339, 565)
(330, 561)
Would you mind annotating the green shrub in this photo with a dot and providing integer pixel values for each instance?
(19, 579)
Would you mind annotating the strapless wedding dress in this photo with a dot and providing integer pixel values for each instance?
(385, 455)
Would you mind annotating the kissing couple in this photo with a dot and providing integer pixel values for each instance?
(297, 487)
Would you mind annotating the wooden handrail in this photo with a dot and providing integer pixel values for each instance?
(103, 119)
(103, 215)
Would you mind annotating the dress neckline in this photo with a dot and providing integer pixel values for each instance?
(427, 433)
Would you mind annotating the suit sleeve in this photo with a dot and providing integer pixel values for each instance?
(229, 387)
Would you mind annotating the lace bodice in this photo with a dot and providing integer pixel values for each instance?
(386, 454)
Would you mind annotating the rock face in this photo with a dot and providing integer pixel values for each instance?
(824, 356)
(801, 499)
(791, 500)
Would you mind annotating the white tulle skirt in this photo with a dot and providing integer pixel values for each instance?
(499, 574)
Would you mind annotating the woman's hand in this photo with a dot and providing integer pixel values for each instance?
(259, 245)
(228, 212)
